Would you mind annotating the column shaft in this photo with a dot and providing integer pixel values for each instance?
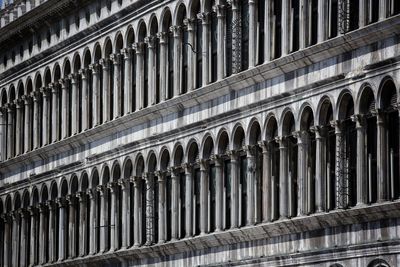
(283, 179)
(3, 135)
(52, 233)
(266, 181)
(117, 86)
(234, 190)
(128, 96)
(43, 243)
(113, 222)
(151, 69)
(175, 205)
(189, 201)
(15, 239)
(125, 213)
(62, 232)
(285, 27)
(92, 222)
(96, 95)
(74, 103)
(381, 145)
(85, 99)
(161, 209)
(10, 132)
(19, 128)
(251, 180)
(106, 90)
(219, 180)
(322, 21)
(252, 33)
(320, 171)
(23, 255)
(7, 245)
(55, 114)
(103, 219)
(65, 110)
(82, 224)
(204, 178)
(163, 64)
(45, 118)
(137, 222)
(205, 48)
(149, 179)
(33, 247)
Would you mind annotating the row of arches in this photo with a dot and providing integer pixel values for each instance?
(322, 158)
(148, 62)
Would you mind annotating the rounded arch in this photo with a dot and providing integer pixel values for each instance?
(66, 67)
(129, 36)
(38, 81)
(20, 89)
(222, 142)
(76, 62)
(63, 187)
(4, 97)
(107, 48)
(1, 206)
(271, 127)
(16, 201)
(345, 105)
(97, 55)
(207, 5)
(53, 191)
(194, 8)
(324, 111)
(94, 178)
(192, 151)
(166, 20)
(141, 31)
(47, 76)
(306, 117)
(180, 13)
(26, 199)
(84, 182)
(378, 263)
(105, 174)
(151, 162)
(366, 100)
(11, 93)
(115, 171)
(73, 184)
(207, 146)
(287, 122)
(153, 25)
(56, 72)
(253, 132)
(44, 194)
(238, 136)
(87, 58)
(139, 165)
(127, 168)
(118, 43)
(35, 197)
(387, 94)
(177, 154)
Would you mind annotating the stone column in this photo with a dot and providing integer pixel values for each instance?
(219, 188)
(362, 14)
(85, 99)
(220, 10)
(52, 231)
(65, 110)
(137, 205)
(36, 119)
(251, 179)
(381, 158)
(71, 227)
(303, 27)
(44, 244)
(204, 178)
(23, 255)
(383, 9)
(161, 208)
(283, 178)
(74, 103)
(322, 20)
(234, 189)
(253, 18)
(7, 240)
(268, 36)
(320, 168)
(33, 248)
(162, 36)
(266, 181)
(27, 123)
(115, 58)
(15, 239)
(10, 131)
(175, 203)
(128, 94)
(190, 54)
(19, 127)
(103, 218)
(341, 203)
(93, 238)
(285, 27)
(138, 47)
(113, 223)
(125, 186)
(151, 69)
(362, 181)
(82, 223)
(55, 110)
(3, 134)
(62, 231)
(95, 94)
(302, 144)
(45, 119)
(205, 18)
(149, 208)
(177, 31)
(188, 200)
(105, 64)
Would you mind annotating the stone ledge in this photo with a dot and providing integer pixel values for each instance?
(356, 215)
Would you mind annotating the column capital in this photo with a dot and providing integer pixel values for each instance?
(81, 196)
(124, 183)
(233, 154)
(9, 107)
(32, 210)
(204, 17)
(233, 3)
(176, 31)
(189, 23)
(63, 82)
(174, 172)
(111, 186)
(21, 213)
(105, 63)
(220, 10)
(163, 37)
(250, 150)
(14, 215)
(187, 167)
(264, 146)
(19, 103)
(35, 96)
(45, 91)
(138, 47)
(115, 59)
(83, 73)
(136, 181)
(50, 204)
(94, 68)
(217, 159)
(27, 99)
(53, 88)
(301, 136)
(281, 140)
(70, 199)
(379, 116)
(337, 125)
(5, 217)
(61, 202)
(150, 41)
(319, 131)
(127, 53)
(74, 78)
(360, 120)
(42, 207)
(100, 189)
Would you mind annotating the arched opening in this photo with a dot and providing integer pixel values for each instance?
(378, 263)
(128, 217)
(328, 136)
(182, 49)
(346, 154)
(88, 91)
(156, 60)
(98, 118)
(140, 198)
(20, 123)
(47, 109)
(105, 215)
(307, 160)
(143, 66)
(369, 123)
(272, 177)
(25, 234)
(152, 201)
(63, 220)
(166, 25)
(213, 37)
(95, 239)
(255, 169)
(108, 83)
(74, 239)
(76, 95)
(131, 92)
(198, 41)
(208, 155)
(119, 77)
(223, 152)
(116, 209)
(261, 31)
(11, 123)
(291, 184)
(193, 158)
(388, 104)
(57, 116)
(85, 225)
(66, 102)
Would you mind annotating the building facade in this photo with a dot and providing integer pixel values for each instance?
(199, 133)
